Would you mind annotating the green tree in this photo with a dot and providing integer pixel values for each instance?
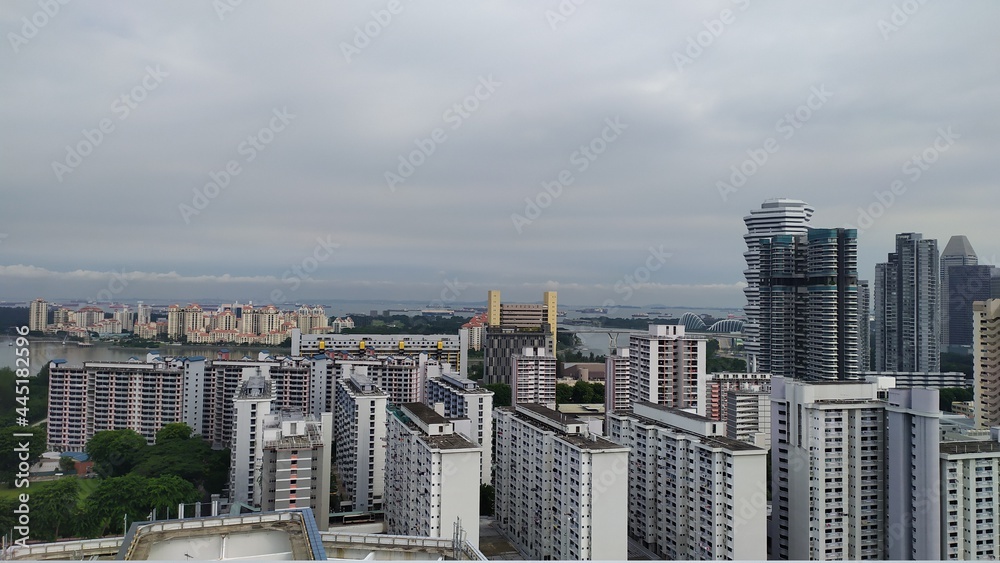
(501, 394)
(118, 497)
(36, 399)
(173, 431)
(11, 450)
(598, 392)
(54, 508)
(116, 452)
(582, 392)
(191, 459)
(166, 492)
(67, 464)
(948, 395)
(564, 393)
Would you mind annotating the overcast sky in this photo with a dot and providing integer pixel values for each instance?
(316, 109)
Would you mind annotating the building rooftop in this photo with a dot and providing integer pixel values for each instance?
(591, 442)
(678, 412)
(730, 444)
(363, 385)
(553, 415)
(426, 414)
(970, 447)
(286, 535)
(449, 442)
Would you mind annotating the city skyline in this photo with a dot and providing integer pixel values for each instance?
(609, 155)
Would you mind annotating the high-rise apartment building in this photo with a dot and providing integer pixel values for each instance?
(252, 405)
(986, 361)
(126, 317)
(667, 367)
(970, 497)
(361, 440)
(617, 381)
(143, 313)
(89, 316)
(693, 493)
(140, 396)
(401, 376)
(38, 314)
(807, 305)
(748, 417)
(464, 399)
(144, 395)
(184, 320)
(443, 348)
(433, 476)
(295, 464)
(719, 385)
(958, 252)
(828, 476)
(907, 312)
(913, 493)
(561, 492)
(774, 218)
(533, 379)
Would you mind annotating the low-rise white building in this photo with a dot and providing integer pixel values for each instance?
(694, 494)
(561, 491)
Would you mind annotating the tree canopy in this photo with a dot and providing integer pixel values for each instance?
(116, 452)
(501, 394)
(173, 431)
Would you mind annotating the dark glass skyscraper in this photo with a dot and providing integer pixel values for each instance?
(907, 313)
(808, 305)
